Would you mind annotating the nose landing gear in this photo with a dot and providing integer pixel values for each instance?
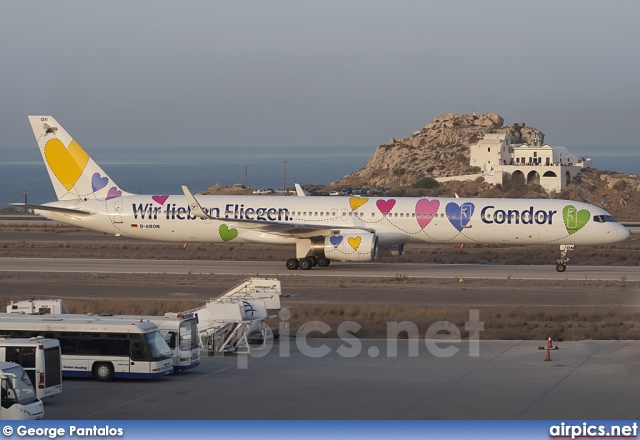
(564, 259)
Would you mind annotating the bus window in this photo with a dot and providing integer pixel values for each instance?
(23, 393)
(139, 350)
(157, 345)
(188, 335)
(169, 337)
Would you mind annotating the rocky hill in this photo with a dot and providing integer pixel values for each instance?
(442, 148)
(439, 149)
(618, 193)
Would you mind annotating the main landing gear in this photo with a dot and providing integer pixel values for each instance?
(564, 259)
(307, 263)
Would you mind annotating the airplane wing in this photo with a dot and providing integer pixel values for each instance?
(69, 211)
(300, 230)
(299, 190)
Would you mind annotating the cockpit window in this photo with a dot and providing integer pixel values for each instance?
(604, 219)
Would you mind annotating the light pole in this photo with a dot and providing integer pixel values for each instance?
(284, 177)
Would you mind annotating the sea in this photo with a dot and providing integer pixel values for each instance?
(164, 171)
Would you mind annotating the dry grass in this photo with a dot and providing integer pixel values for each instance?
(505, 323)
(500, 324)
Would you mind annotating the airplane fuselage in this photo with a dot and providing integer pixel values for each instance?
(392, 220)
(322, 228)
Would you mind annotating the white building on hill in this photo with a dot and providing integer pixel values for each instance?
(500, 160)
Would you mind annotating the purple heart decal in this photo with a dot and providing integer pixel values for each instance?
(113, 193)
(385, 206)
(459, 215)
(160, 199)
(335, 240)
(98, 182)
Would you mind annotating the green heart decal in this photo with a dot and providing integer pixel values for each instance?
(227, 234)
(574, 220)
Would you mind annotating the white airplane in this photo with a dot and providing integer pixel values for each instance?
(322, 228)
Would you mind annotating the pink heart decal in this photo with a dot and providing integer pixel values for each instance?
(113, 193)
(160, 199)
(425, 211)
(385, 206)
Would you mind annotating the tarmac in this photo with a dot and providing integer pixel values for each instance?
(278, 269)
(366, 379)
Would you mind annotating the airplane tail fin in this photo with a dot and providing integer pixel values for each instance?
(73, 173)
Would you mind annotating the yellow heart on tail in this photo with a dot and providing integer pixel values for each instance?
(355, 242)
(66, 163)
(357, 202)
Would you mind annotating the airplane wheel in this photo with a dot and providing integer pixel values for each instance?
(305, 264)
(561, 267)
(292, 264)
(323, 262)
(314, 260)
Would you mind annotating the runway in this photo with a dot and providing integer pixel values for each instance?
(507, 380)
(367, 270)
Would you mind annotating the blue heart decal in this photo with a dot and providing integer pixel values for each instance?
(97, 182)
(335, 240)
(459, 215)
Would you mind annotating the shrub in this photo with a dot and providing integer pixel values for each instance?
(427, 182)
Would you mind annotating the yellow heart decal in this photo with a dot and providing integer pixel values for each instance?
(357, 202)
(355, 242)
(66, 164)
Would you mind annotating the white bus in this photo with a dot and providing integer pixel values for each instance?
(180, 332)
(18, 400)
(93, 347)
(40, 358)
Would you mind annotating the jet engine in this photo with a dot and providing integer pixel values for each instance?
(351, 247)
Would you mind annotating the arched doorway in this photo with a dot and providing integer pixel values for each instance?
(567, 178)
(517, 177)
(533, 178)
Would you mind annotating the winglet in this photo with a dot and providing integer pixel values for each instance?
(299, 190)
(196, 209)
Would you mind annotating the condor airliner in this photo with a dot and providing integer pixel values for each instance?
(322, 228)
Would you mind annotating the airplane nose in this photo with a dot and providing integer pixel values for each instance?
(623, 233)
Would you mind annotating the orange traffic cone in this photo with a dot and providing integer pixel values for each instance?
(549, 347)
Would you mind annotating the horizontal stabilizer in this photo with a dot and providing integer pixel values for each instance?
(70, 211)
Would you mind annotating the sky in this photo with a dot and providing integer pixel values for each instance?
(309, 74)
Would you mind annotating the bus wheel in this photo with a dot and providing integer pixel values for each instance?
(103, 371)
